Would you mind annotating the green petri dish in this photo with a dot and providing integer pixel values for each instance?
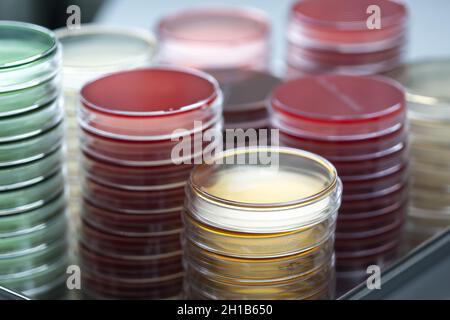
(32, 123)
(53, 231)
(38, 278)
(19, 176)
(29, 55)
(30, 221)
(25, 100)
(31, 149)
(31, 197)
(29, 263)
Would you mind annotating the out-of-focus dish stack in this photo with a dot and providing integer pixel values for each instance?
(233, 45)
(88, 53)
(428, 94)
(355, 37)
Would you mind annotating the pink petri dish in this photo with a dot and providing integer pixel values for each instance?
(149, 104)
(131, 224)
(324, 23)
(132, 201)
(215, 38)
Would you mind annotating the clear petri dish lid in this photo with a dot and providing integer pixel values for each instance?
(427, 84)
(150, 104)
(93, 50)
(263, 190)
(28, 55)
(339, 107)
(344, 26)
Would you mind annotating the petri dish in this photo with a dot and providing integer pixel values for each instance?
(130, 247)
(31, 149)
(19, 176)
(32, 196)
(282, 268)
(127, 200)
(216, 185)
(221, 37)
(131, 224)
(299, 288)
(25, 100)
(27, 222)
(150, 104)
(339, 107)
(94, 50)
(23, 244)
(32, 123)
(326, 24)
(29, 55)
(158, 266)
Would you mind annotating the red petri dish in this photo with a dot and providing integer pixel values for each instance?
(324, 23)
(131, 224)
(378, 184)
(154, 267)
(303, 57)
(135, 177)
(130, 247)
(99, 286)
(145, 153)
(351, 151)
(215, 37)
(132, 201)
(372, 220)
(339, 107)
(363, 205)
(149, 104)
(355, 243)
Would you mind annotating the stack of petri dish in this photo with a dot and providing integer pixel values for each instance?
(259, 224)
(88, 53)
(359, 124)
(355, 37)
(224, 38)
(428, 93)
(33, 252)
(233, 45)
(133, 124)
